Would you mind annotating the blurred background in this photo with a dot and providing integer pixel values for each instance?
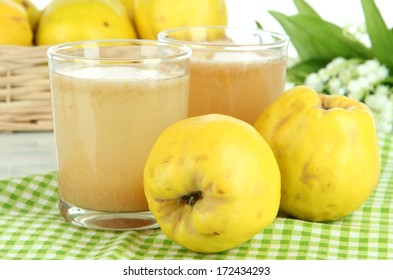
(245, 12)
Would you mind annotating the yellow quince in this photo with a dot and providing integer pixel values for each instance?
(15, 28)
(74, 20)
(153, 16)
(212, 183)
(33, 13)
(327, 149)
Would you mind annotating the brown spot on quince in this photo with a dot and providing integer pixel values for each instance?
(201, 157)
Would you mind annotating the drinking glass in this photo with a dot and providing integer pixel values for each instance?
(111, 99)
(234, 71)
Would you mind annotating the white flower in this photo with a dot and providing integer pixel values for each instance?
(372, 64)
(373, 71)
(336, 64)
(350, 27)
(335, 86)
(362, 70)
(359, 32)
(383, 73)
(382, 109)
(324, 75)
(313, 81)
(289, 85)
(361, 28)
(376, 102)
(346, 76)
(357, 88)
(382, 90)
(373, 78)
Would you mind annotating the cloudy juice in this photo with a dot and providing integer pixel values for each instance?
(240, 84)
(105, 129)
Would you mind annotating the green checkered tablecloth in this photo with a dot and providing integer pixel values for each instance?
(31, 228)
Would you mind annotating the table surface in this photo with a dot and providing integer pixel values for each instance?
(23, 154)
(31, 227)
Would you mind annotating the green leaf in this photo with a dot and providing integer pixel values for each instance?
(295, 77)
(305, 9)
(310, 66)
(300, 40)
(259, 25)
(298, 72)
(316, 38)
(380, 36)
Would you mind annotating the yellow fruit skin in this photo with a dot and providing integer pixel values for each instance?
(32, 11)
(327, 150)
(153, 16)
(74, 20)
(129, 4)
(14, 24)
(230, 164)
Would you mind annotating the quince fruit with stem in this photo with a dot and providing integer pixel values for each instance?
(327, 149)
(212, 183)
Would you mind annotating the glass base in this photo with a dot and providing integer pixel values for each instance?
(106, 220)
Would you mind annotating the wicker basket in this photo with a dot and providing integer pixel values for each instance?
(25, 103)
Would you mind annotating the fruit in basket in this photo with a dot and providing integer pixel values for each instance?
(129, 4)
(153, 16)
(32, 11)
(212, 183)
(74, 20)
(14, 24)
(327, 149)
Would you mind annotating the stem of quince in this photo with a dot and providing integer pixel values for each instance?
(192, 198)
(324, 102)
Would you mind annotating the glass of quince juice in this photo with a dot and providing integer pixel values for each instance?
(111, 99)
(234, 71)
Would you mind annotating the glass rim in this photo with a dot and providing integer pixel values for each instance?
(54, 51)
(282, 41)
